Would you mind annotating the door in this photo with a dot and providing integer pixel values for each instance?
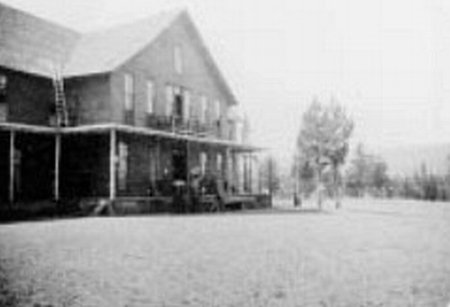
(179, 162)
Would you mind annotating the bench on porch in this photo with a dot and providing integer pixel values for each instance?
(232, 201)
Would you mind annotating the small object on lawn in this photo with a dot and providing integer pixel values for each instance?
(297, 200)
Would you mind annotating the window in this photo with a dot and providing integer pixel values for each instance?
(122, 169)
(203, 160)
(3, 85)
(203, 108)
(178, 59)
(238, 132)
(3, 106)
(169, 100)
(219, 162)
(129, 92)
(178, 108)
(150, 96)
(187, 103)
(216, 109)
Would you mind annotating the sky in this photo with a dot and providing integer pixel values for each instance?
(386, 61)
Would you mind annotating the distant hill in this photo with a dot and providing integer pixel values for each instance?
(406, 160)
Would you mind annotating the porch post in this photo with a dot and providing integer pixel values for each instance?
(250, 171)
(12, 137)
(57, 164)
(228, 168)
(244, 158)
(236, 175)
(188, 169)
(112, 164)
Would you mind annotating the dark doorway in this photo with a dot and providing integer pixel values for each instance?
(178, 107)
(179, 162)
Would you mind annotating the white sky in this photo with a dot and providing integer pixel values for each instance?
(388, 61)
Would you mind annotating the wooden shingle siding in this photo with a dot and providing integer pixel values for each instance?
(156, 63)
(89, 99)
(29, 98)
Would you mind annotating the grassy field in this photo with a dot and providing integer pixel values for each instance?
(370, 253)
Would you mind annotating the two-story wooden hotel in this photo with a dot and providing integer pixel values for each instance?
(144, 103)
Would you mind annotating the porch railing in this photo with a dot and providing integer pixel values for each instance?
(191, 126)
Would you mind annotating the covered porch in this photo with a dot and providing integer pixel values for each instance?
(132, 168)
(135, 168)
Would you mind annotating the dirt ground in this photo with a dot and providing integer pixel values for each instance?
(370, 253)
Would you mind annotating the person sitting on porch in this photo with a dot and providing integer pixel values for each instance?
(178, 197)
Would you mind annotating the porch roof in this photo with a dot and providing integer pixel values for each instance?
(27, 128)
(161, 134)
(98, 128)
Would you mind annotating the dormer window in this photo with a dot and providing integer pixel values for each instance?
(178, 59)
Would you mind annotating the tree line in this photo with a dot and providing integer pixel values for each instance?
(322, 168)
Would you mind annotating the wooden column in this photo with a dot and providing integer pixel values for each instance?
(236, 175)
(228, 168)
(244, 162)
(250, 172)
(57, 165)
(12, 137)
(112, 164)
(188, 169)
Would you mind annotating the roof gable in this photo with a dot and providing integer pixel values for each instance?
(104, 51)
(209, 60)
(37, 46)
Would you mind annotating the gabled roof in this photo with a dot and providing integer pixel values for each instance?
(34, 45)
(31, 44)
(104, 51)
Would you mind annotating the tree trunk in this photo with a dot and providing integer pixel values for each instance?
(336, 187)
(319, 189)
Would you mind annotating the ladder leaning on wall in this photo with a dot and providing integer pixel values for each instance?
(62, 117)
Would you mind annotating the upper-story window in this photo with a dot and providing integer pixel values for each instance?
(178, 59)
(203, 108)
(169, 100)
(178, 109)
(187, 103)
(3, 86)
(150, 97)
(238, 132)
(129, 92)
(216, 109)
